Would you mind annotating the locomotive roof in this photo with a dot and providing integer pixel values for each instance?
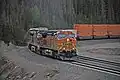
(48, 32)
(53, 31)
(37, 29)
(67, 30)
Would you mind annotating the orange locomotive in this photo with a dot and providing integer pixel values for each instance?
(60, 44)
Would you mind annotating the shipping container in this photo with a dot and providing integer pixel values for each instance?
(95, 31)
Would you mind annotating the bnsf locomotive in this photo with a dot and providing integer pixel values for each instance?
(59, 44)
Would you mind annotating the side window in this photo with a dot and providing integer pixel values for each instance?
(39, 35)
(31, 34)
(44, 35)
(71, 35)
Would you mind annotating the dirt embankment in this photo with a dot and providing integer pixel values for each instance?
(9, 70)
(19, 68)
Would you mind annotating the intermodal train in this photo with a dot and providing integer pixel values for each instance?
(59, 44)
(93, 31)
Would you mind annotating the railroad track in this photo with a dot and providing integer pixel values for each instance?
(97, 64)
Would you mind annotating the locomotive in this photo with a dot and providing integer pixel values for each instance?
(59, 44)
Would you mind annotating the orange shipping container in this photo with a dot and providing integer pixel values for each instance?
(97, 30)
(83, 29)
(114, 30)
(100, 30)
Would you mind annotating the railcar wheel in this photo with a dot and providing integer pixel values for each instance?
(54, 54)
(38, 52)
(33, 48)
(56, 57)
(29, 46)
(43, 52)
(62, 58)
(69, 59)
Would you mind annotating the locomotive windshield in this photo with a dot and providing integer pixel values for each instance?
(60, 36)
(71, 36)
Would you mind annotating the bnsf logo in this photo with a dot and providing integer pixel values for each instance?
(67, 43)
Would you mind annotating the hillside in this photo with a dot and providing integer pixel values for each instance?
(17, 16)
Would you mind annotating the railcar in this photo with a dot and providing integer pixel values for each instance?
(59, 44)
(97, 31)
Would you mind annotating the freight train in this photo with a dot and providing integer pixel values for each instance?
(59, 44)
(97, 31)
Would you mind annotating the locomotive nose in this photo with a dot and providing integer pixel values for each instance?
(68, 45)
(68, 40)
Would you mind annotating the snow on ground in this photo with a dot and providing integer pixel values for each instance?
(108, 49)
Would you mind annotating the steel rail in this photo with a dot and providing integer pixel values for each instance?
(98, 60)
(102, 65)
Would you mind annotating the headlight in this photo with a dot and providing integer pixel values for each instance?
(63, 48)
(73, 48)
(68, 40)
